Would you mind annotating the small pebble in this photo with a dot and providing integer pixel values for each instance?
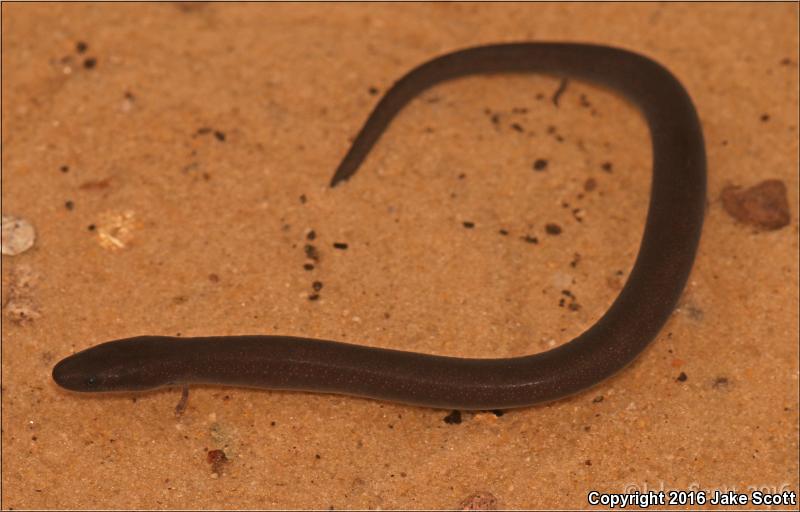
(217, 459)
(18, 235)
(764, 205)
(479, 501)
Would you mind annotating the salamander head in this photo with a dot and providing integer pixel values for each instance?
(123, 365)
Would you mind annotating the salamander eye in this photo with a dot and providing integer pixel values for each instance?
(91, 381)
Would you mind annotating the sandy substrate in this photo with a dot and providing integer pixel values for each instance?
(173, 158)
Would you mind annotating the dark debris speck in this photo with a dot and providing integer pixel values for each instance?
(552, 228)
(340, 245)
(317, 285)
(454, 418)
(311, 252)
(469, 225)
(540, 164)
(562, 87)
(81, 47)
(682, 377)
(90, 63)
(720, 383)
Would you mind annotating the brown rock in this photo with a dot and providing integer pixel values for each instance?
(479, 501)
(763, 205)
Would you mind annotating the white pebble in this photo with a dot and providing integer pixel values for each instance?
(18, 236)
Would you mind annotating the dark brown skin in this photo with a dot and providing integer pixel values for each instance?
(669, 243)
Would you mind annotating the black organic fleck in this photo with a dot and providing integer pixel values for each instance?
(454, 418)
(552, 229)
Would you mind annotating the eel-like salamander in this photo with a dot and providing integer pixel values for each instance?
(668, 246)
